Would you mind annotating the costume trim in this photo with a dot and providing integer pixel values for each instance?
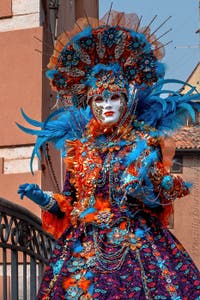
(56, 225)
(51, 203)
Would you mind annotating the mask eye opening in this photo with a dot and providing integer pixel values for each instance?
(115, 97)
(98, 99)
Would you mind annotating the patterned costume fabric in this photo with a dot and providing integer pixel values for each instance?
(111, 229)
(118, 248)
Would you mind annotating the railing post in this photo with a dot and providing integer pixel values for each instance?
(25, 250)
(4, 257)
(14, 275)
(24, 276)
(33, 275)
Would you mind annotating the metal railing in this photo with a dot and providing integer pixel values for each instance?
(24, 250)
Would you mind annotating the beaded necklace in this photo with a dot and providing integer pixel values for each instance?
(110, 261)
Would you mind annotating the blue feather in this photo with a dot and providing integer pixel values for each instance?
(147, 162)
(163, 103)
(141, 145)
(188, 184)
(91, 289)
(31, 121)
(51, 73)
(88, 211)
(77, 247)
(175, 110)
(89, 275)
(166, 81)
(139, 233)
(28, 130)
(187, 108)
(60, 126)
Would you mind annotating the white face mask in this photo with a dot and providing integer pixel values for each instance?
(108, 110)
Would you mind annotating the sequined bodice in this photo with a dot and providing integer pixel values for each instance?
(103, 176)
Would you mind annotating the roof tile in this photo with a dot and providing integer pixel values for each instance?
(188, 138)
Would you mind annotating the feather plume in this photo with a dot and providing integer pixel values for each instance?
(141, 145)
(60, 126)
(88, 211)
(31, 121)
(168, 113)
(77, 247)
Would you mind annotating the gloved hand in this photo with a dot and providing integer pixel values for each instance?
(44, 199)
(33, 192)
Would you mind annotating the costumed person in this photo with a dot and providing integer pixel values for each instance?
(110, 221)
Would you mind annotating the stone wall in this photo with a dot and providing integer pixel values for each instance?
(187, 209)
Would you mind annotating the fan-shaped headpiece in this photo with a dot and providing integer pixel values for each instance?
(113, 55)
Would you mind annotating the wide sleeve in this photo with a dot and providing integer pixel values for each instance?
(167, 188)
(150, 183)
(56, 224)
(166, 185)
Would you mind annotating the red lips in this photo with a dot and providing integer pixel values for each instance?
(109, 113)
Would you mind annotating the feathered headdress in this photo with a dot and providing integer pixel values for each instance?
(80, 60)
(113, 53)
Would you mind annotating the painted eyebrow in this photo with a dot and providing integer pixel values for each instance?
(98, 98)
(115, 96)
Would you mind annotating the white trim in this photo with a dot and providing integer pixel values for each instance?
(20, 22)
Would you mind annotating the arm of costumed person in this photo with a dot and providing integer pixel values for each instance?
(147, 181)
(56, 222)
(56, 207)
(167, 111)
(166, 185)
(57, 128)
(156, 188)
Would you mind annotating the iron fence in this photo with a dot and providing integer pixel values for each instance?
(24, 250)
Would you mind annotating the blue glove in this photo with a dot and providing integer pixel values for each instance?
(45, 200)
(33, 192)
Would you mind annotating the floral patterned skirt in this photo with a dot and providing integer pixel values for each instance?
(130, 259)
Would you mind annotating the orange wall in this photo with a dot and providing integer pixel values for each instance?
(86, 6)
(5, 8)
(9, 185)
(20, 86)
(21, 82)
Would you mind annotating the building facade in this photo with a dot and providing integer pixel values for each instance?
(27, 33)
(186, 219)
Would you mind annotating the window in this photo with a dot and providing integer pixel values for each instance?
(171, 221)
(53, 8)
(177, 166)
